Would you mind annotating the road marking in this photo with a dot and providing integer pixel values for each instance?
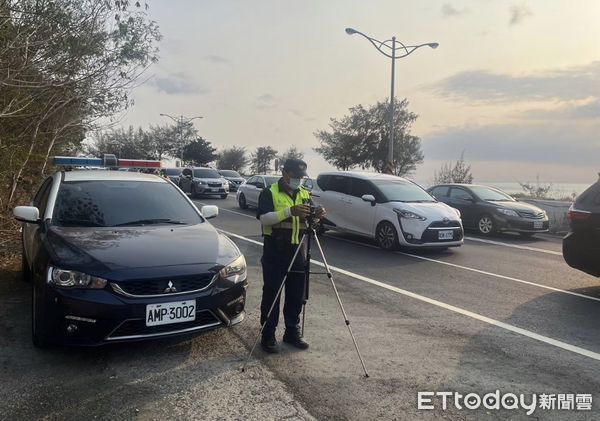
(470, 269)
(550, 341)
(516, 246)
(482, 272)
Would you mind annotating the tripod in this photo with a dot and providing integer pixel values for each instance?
(307, 237)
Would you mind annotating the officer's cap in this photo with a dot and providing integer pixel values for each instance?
(295, 166)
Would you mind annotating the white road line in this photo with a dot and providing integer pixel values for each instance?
(554, 342)
(229, 210)
(516, 246)
(483, 272)
(470, 269)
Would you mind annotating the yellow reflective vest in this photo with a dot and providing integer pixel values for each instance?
(281, 201)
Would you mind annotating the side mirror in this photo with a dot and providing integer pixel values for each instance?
(27, 214)
(369, 198)
(210, 211)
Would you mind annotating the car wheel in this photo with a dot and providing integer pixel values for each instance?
(242, 201)
(485, 225)
(223, 196)
(25, 270)
(37, 333)
(387, 237)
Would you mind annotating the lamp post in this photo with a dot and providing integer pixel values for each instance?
(180, 121)
(391, 51)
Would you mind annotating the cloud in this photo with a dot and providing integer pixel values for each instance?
(215, 59)
(564, 143)
(573, 83)
(266, 101)
(518, 13)
(449, 10)
(178, 84)
(589, 110)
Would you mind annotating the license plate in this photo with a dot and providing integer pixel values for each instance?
(445, 235)
(167, 313)
(538, 224)
(214, 190)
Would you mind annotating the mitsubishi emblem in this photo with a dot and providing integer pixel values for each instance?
(170, 287)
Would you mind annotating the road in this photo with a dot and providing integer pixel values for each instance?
(504, 314)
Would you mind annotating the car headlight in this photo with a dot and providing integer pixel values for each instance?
(457, 211)
(73, 279)
(234, 271)
(200, 182)
(403, 213)
(507, 212)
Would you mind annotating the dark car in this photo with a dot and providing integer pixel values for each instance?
(233, 177)
(203, 181)
(117, 256)
(581, 246)
(489, 210)
(173, 174)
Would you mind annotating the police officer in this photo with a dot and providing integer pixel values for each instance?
(282, 209)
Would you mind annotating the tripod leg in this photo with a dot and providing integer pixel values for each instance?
(274, 301)
(330, 276)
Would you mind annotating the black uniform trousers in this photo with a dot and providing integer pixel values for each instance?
(277, 256)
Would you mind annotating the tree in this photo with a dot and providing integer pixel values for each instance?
(292, 152)
(261, 159)
(199, 152)
(362, 137)
(458, 172)
(233, 159)
(162, 141)
(537, 190)
(64, 64)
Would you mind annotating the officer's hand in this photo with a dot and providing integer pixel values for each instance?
(300, 210)
(321, 213)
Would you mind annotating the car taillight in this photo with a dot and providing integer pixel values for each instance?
(577, 215)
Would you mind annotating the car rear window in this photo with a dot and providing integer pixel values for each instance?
(229, 173)
(271, 179)
(172, 171)
(206, 173)
(113, 203)
(589, 200)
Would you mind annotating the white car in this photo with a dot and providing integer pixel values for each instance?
(392, 210)
(248, 192)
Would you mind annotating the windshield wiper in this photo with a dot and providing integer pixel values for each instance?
(80, 223)
(151, 222)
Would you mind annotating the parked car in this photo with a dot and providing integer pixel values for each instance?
(119, 256)
(488, 210)
(581, 246)
(203, 181)
(392, 210)
(174, 174)
(233, 177)
(247, 194)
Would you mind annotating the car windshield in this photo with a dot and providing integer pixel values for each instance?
(120, 203)
(271, 179)
(206, 173)
(173, 171)
(403, 191)
(229, 173)
(490, 195)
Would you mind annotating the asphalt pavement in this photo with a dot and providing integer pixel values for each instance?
(504, 314)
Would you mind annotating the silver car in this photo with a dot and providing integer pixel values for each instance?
(203, 181)
(247, 194)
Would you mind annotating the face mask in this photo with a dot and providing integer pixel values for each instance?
(294, 183)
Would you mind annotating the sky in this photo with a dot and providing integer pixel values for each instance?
(513, 84)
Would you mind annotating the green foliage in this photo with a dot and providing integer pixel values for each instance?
(199, 153)
(292, 152)
(537, 190)
(458, 172)
(361, 139)
(233, 159)
(261, 159)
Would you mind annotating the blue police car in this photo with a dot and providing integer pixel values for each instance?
(120, 256)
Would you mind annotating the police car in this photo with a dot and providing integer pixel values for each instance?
(120, 256)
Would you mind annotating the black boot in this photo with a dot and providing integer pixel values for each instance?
(293, 338)
(269, 344)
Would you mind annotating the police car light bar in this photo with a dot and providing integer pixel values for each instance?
(108, 160)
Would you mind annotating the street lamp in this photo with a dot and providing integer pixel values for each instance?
(389, 51)
(180, 121)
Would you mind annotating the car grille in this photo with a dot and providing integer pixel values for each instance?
(215, 185)
(442, 224)
(535, 215)
(137, 328)
(147, 287)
